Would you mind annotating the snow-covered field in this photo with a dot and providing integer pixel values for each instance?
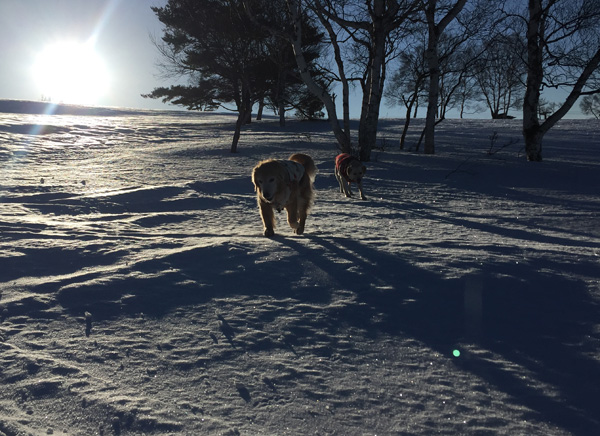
(139, 297)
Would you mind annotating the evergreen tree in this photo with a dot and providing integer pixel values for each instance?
(227, 58)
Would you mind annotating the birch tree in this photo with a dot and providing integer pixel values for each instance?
(370, 24)
(500, 73)
(407, 85)
(436, 27)
(563, 52)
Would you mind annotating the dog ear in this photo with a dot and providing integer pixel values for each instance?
(253, 180)
(364, 168)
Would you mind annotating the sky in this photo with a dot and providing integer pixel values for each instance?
(119, 32)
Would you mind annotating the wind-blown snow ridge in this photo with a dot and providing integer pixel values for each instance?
(200, 325)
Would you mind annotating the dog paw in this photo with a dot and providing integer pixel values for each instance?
(269, 232)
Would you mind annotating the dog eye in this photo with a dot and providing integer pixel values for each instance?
(272, 179)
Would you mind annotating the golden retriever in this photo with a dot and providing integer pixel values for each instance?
(285, 184)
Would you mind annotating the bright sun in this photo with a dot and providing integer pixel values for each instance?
(70, 72)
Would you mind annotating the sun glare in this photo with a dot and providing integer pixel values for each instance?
(70, 72)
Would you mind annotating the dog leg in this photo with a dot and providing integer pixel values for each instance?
(292, 214)
(347, 189)
(302, 221)
(360, 189)
(297, 213)
(268, 218)
(340, 181)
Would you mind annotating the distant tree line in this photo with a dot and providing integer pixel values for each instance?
(437, 54)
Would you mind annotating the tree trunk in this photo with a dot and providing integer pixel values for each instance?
(342, 138)
(532, 133)
(433, 97)
(244, 115)
(238, 130)
(281, 111)
(405, 130)
(434, 33)
(533, 130)
(367, 134)
(412, 101)
(343, 79)
(261, 106)
(281, 81)
(432, 59)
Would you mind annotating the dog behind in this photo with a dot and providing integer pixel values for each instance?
(285, 184)
(349, 169)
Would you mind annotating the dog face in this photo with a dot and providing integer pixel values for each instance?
(267, 178)
(356, 170)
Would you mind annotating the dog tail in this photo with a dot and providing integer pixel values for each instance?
(307, 162)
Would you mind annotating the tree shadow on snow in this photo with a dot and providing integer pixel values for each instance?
(534, 317)
(541, 322)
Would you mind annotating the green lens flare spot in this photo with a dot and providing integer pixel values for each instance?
(456, 353)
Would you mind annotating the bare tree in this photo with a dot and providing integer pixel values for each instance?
(436, 28)
(563, 51)
(291, 30)
(455, 87)
(287, 90)
(545, 108)
(407, 85)
(456, 62)
(466, 95)
(370, 24)
(336, 40)
(367, 24)
(296, 14)
(453, 66)
(467, 24)
(590, 105)
(500, 73)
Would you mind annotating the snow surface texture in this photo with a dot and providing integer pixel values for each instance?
(138, 295)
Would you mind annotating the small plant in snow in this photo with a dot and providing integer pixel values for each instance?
(493, 139)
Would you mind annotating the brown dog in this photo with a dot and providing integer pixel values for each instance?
(349, 169)
(285, 184)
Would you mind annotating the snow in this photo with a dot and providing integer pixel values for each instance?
(201, 325)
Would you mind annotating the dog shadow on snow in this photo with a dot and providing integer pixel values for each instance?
(542, 322)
